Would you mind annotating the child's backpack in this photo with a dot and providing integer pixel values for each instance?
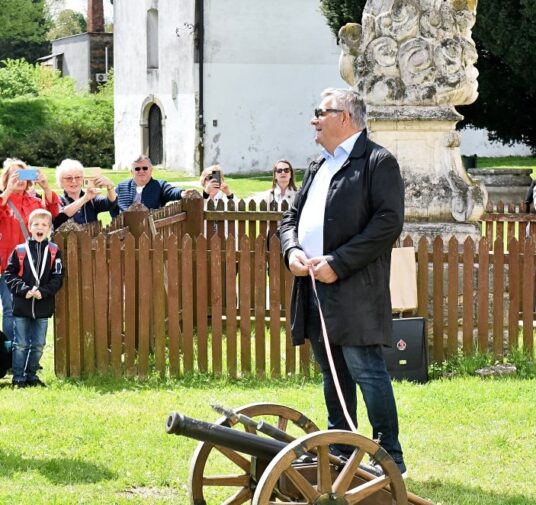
(5, 354)
(21, 253)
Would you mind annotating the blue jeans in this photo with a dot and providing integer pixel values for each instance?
(7, 308)
(364, 366)
(28, 345)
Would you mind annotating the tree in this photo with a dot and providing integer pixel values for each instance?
(68, 22)
(505, 37)
(23, 28)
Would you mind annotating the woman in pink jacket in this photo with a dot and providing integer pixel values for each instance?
(17, 200)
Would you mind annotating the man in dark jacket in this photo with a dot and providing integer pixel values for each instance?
(341, 227)
(142, 188)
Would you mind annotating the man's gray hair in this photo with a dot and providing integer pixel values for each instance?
(349, 100)
(141, 158)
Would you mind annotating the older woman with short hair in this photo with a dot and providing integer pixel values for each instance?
(17, 201)
(82, 206)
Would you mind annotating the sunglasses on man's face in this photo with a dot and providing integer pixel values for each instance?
(282, 170)
(323, 112)
(141, 168)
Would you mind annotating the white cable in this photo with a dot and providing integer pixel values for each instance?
(330, 357)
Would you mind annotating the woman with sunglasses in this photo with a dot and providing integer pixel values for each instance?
(82, 206)
(283, 186)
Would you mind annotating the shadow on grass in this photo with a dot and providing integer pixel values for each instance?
(446, 492)
(106, 384)
(56, 470)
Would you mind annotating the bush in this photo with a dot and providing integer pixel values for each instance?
(44, 130)
(18, 78)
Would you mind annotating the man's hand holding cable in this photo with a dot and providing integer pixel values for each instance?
(298, 263)
(322, 271)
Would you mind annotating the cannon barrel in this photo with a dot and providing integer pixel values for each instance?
(241, 441)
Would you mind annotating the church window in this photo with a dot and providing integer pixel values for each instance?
(152, 38)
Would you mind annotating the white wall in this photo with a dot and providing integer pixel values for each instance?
(475, 141)
(75, 51)
(265, 66)
(171, 86)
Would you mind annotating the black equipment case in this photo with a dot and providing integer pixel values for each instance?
(408, 356)
(5, 354)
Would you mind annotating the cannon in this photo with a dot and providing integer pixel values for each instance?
(267, 454)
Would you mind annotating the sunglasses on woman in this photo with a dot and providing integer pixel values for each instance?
(282, 170)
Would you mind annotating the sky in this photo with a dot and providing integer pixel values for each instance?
(81, 6)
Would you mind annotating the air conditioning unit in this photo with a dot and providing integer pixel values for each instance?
(101, 77)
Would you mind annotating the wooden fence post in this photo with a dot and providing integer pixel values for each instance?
(135, 218)
(193, 206)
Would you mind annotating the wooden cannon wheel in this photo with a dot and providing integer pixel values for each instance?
(237, 481)
(329, 490)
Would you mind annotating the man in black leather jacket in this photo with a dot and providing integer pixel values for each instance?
(341, 227)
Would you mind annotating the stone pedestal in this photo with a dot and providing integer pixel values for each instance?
(426, 145)
(505, 184)
(461, 231)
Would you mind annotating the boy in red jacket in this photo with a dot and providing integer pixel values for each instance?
(34, 274)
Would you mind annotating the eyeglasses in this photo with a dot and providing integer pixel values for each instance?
(72, 178)
(323, 112)
(282, 170)
(141, 168)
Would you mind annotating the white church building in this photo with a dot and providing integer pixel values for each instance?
(234, 82)
(228, 81)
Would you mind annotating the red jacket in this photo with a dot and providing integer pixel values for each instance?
(10, 232)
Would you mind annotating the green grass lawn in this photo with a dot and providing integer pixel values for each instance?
(101, 441)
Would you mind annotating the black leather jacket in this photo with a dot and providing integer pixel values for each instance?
(363, 217)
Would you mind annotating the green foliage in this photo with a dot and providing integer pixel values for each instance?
(340, 12)
(68, 22)
(23, 28)
(17, 78)
(20, 78)
(465, 366)
(505, 34)
(107, 88)
(45, 130)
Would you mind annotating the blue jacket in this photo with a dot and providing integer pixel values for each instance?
(155, 195)
(88, 212)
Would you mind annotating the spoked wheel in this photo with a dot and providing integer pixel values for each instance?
(221, 476)
(352, 485)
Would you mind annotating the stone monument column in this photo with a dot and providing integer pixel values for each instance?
(413, 61)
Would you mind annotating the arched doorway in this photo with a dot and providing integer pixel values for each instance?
(156, 145)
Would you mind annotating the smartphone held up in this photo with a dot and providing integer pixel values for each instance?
(28, 174)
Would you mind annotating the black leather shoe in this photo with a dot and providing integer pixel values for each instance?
(19, 384)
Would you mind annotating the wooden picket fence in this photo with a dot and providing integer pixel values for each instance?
(185, 289)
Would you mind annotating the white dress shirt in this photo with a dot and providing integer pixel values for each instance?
(311, 224)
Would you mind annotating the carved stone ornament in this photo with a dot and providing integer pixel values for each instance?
(412, 61)
(412, 52)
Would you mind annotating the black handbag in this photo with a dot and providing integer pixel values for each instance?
(407, 358)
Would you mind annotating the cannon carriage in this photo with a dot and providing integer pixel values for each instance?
(267, 454)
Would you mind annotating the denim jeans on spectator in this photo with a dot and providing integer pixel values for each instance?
(364, 366)
(28, 345)
(7, 308)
